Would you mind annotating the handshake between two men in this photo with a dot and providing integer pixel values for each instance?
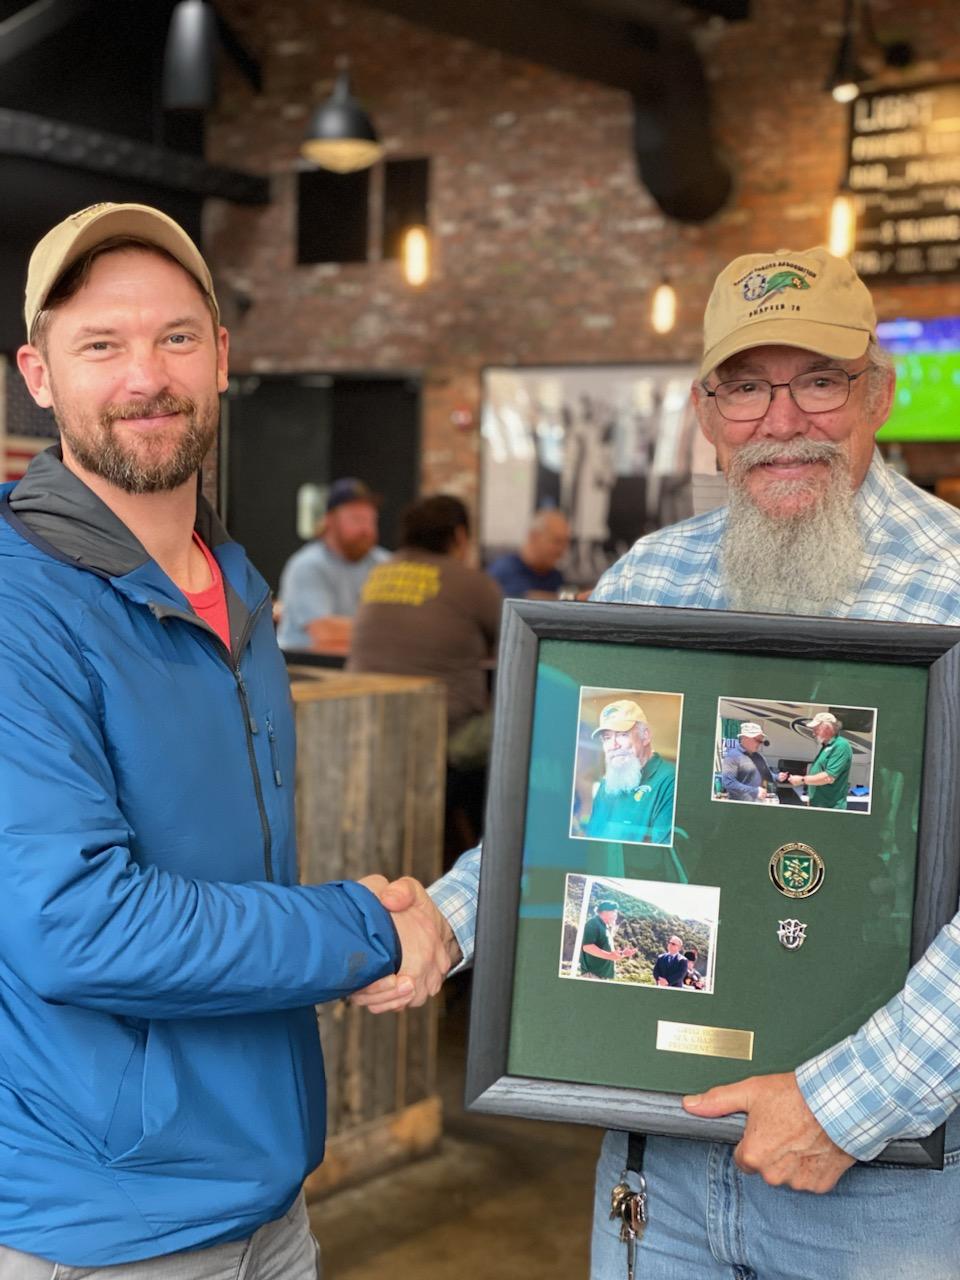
(429, 948)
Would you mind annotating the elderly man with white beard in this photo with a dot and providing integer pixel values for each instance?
(792, 391)
(634, 799)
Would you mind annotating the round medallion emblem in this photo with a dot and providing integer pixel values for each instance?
(796, 870)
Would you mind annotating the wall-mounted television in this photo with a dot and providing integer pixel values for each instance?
(927, 356)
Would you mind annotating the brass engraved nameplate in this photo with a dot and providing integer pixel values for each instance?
(712, 1042)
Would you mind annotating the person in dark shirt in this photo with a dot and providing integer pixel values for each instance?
(693, 978)
(670, 968)
(532, 572)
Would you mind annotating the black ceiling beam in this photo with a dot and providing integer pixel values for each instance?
(28, 26)
(604, 48)
(239, 52)
(94, 151)
(657, 10)
(732, 10)
(656, 62)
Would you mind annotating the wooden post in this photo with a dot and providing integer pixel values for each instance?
(371, 767)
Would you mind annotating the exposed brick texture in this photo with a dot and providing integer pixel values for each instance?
(547, 248)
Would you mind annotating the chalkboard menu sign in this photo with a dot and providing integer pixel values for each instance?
(904, 173)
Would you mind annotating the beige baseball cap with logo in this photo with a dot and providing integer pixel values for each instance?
(620, 716)
(807, 299)
(82, 231)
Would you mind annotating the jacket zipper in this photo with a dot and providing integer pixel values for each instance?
(274, 751)
(250, 727)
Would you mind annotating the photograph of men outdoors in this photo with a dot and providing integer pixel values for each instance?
(624, 785)
(642, 932)
(810, 755)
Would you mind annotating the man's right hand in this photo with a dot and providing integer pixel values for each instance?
(428, 945)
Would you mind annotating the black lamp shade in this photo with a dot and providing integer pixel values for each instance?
(846, 70)
(341, 135)
(190, 58)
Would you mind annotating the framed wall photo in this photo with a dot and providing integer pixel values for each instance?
(611, 446)
(798, 919)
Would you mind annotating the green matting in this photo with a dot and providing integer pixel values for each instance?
(858, 937)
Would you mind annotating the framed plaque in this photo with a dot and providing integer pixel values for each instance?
(714, 845)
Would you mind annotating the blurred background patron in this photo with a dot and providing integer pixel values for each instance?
(321, 583)
(428, 612)
(532, 571)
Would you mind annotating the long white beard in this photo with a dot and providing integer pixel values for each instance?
(799, 564)
(622, 774)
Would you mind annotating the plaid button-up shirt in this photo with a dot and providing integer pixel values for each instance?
(899, 1075)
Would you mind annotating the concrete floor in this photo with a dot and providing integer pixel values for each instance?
(501, 1198)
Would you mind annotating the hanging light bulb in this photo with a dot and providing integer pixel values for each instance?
(416, 255)
(663, 312)
(341, 136)
(843, 224)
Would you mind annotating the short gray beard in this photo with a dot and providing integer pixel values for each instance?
(800, 564)
(622, 775)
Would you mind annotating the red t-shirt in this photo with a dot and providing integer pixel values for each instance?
(211, 604)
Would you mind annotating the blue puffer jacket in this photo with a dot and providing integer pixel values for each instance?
(161, 1083)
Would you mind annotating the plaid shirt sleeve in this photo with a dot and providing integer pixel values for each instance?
(899, 1076)
(455, 896)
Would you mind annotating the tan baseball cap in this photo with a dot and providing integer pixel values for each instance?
(620, 716)
(807, 299)
(823, 717)
(82, 231)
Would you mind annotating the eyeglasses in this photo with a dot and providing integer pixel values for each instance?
(819, 391)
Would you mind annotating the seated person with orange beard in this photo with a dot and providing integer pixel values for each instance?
(321, 583)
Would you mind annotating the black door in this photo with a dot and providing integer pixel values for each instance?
(287, 434)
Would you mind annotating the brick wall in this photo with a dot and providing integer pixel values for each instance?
(547, 249)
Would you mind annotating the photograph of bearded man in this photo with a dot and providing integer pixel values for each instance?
(632, 801)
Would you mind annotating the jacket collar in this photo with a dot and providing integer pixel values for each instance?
(59, 508)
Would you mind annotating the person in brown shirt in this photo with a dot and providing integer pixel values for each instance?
(427, 612)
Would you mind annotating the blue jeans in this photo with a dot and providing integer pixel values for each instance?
(710, 1221)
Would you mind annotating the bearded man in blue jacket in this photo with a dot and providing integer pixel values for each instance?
(161, 1081)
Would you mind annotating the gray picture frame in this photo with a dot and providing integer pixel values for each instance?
(490, 1088)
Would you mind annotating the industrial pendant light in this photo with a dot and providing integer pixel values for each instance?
(341, 136)
(846, 75)
(190, 58)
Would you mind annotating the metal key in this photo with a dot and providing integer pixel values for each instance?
(631, 1208)
(621, 1192)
